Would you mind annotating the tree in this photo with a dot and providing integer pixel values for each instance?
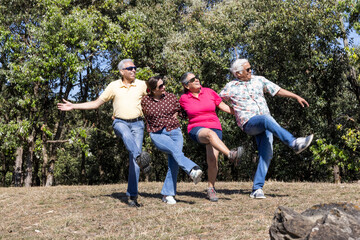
(54, 49)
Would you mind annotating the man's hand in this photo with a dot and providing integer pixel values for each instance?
(66, 106)
(285, 93)
(302, 101)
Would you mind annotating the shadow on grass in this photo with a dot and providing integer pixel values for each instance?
(201, 195)
(247, 192)
(124, 199)
(159, 196)
(276, 195)
(119, 196)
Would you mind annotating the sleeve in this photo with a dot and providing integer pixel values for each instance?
(107, 95)
(225, 93)
(270, 87)
(176, 103)
(143, 105)
(216, 97)
(144, 88)
(182, 112)
(178, 108)
(181, 101)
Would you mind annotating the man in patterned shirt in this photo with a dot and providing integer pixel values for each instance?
(126, 94)
(246, 93)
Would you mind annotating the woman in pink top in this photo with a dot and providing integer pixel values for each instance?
(204, 125)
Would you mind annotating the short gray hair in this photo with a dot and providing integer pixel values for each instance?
(122, 62)
(184, 81)
(184, 76)
(237, 66)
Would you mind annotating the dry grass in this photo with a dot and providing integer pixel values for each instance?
(100, 212)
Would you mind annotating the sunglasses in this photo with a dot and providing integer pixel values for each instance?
(130, 68)
(161, 86)
(191, 80)
(248, 69)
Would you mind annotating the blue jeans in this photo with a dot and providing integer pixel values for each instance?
(263, 127)
(132, 134)
(171, 142)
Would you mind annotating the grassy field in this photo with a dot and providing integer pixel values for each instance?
(100, 212)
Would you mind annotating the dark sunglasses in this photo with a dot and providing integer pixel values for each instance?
(191, 80)
(130, 68)
(248, 69)
(161, 86)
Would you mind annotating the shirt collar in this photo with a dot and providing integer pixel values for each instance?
(191, 95)
(133, 83)
(161, 97)
(239, 82)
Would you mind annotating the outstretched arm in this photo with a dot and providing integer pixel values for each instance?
(226, 108)
(68, 106)
(285, 93)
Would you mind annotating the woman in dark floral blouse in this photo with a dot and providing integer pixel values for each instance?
(160, 109)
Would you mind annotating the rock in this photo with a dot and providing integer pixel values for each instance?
(335, 221)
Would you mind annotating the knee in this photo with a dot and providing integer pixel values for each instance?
(174, 169)
(266, 154)
(120, 131)
(133, 166)
(268, 119)
(211, 135)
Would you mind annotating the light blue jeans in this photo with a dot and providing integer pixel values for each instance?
(263, 127)
(132, 134)
(171, 142)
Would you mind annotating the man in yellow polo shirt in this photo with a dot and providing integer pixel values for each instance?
(126, 94)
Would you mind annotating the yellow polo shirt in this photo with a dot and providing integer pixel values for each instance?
(126, 100)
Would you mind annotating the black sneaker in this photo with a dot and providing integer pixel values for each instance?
(132, 202)
(143, 160)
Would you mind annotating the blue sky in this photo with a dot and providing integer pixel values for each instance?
(355, 37)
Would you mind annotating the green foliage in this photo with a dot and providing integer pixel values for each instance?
(144, 73)
(352, 8)
(344, 154)
(54, 49)
(329, 154)
(68, 168)
(352, 139)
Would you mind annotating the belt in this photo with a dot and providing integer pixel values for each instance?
(132, 120)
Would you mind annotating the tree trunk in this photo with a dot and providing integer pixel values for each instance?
(351, 74)
(101, 173)
(29, 160)
(337, 178)
(18, 177)
(44, 171)
(50, 174)
(83, 172)
(50, 164)
(3, 180)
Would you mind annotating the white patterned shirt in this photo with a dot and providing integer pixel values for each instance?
(247, 97)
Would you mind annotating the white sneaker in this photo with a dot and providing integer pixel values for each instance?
(195, 175)
(302, 143)
(258, 194)
(169, 199)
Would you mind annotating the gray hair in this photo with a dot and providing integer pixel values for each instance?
(184, 81)
(237, 66)
(183, 78)
(122, 62)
